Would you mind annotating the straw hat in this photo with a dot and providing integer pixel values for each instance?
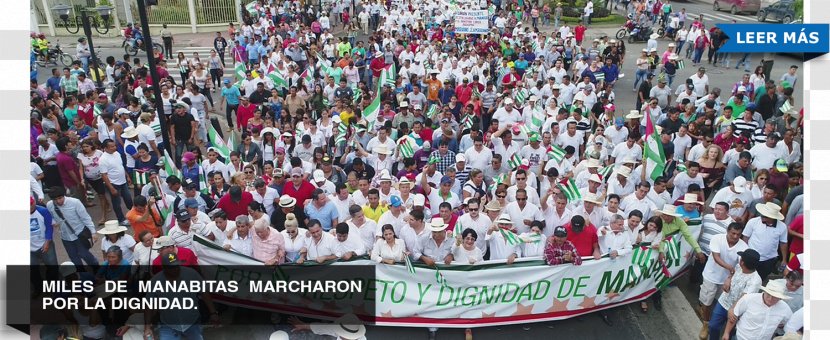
(593, 163)
(111, 227)
(669, 210)
(504, 219)
(595, 178)
(349, 327)
(690, 198)
(129, 132)
(634, 114)
(382, 149)
(437, 224)
(287, 201)
(591, 197)
(493, 206)
(624, 171)
(770, 210)
(776, 289)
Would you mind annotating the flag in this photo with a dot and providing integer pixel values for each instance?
(524, 128)
(476, 92)
(514, 161)
(569, 189)
(433, 159)
(537, 118)
(600, 76)
(342, 130)
(230, 141)
(203, 183)
(786, 107)
(370, 113)
(671, 247)
(605, 172)
(140, 178)
(433, 111)
(653, 151)
(510, 237)
(681, 167)
(357, 94)
(165, 206)
(521, 96)
(406, 146)
(681, 64)
(556, 153)
(409, 266)
(467, 122)
(218, 144)
(276, 76)
(96, 109)
(388, 75)
(308, 76)
(532, 238)
(239, 70)
(170, 166)
(457, 230)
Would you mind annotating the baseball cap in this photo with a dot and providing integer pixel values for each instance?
(740, 184)
(560, 231)
(446, 180)
(191, 203)
(751, 257)
(578, 222)
(182, 215)
(163, 241)
(227, 81)
(460, 158)
(781, 165)
(280, 150)
(170, 260)
(319, 176)
(188, 156)
(395, 201)
(296, 172)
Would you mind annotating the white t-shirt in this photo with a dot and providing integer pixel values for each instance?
(110, 164)
(713, 272)
(681, 144)
(126, 243)
(765, 239)
(764, 157)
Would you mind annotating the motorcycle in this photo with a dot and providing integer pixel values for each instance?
(131, 46)
(640, 34)
(625, 29)
(56, 54)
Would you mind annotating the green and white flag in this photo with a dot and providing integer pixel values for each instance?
(170, 166)
(681, 64)
(599, 76)
(605, 172)
(96, 109)
(203, 183)
(537, 118)
(141, 178)
(640, 257)
(531, 238)
(407, 146)
(510, 237)
(569, 189)
(388, 75)
(786, 107)
(520, 96)
(308, 76)
(370, 113)
(514, 161)
(476, 92)
(556, 153)
(457, 230)
(342, 130)
(277, 77)
(409, 266)
(218, 144)
(433, 111)
(357, 94)
(653, 152)
(467, 122)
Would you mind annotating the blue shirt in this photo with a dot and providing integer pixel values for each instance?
(191, 173)
(40, 227)
(325, 214)
(231, 95)
(54, 83)
(687, 214)
(611, 72)
(252, 50)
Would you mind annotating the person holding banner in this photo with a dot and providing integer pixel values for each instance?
(504, 244)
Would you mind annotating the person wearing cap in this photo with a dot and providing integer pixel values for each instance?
(191, 190)
(183, 128)
(742, 282)
(182, 233)
(768, 235)
(173, 322)
(230, 96)
(299, 188)
(395, 216)
(672, 223)
(721, 263)
(442, 194)
(166, 246)
(737, 196)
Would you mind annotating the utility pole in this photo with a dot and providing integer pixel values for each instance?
(154, 75)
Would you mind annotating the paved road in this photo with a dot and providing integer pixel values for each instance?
(629, 322)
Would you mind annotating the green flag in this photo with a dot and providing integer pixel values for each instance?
(218, 144)
(509, 236)
(569, 189)
(556, 153)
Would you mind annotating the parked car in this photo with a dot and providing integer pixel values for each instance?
(781, 11)
(737, 6)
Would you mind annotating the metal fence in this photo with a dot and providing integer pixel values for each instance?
(215, 11)
(172, 12)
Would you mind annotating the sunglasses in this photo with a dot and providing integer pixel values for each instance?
(521, 199)
(501, 196)
(249, 172)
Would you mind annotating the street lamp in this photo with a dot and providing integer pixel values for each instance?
(88, 20)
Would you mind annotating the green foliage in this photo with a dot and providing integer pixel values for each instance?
(799, 9)
(169, 15)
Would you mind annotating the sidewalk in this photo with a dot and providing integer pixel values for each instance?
(179, 40)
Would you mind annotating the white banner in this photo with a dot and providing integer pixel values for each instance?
(492, 293)
(472, 22)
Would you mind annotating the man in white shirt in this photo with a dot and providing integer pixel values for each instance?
(500, 249)
(341, 199)
(437, 248)
(347, 245)
(736, 196)
(765, 154)
(521, 212)
(701, 82)
(614, 238)
(759, 314)
(658, 194)
(320, 247)
(414, 232)
(478, 156)
(593, 211)
(265, 194)
(767, 235)
(630, 149)
(639, 201)
(395, 216)
(682, 180)
(477, 221)
(722, 262)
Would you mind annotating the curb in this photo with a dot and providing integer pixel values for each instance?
(681, 314)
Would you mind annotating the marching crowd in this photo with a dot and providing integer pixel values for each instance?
(422, 143)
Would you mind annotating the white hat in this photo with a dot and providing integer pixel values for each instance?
(672, 45)
(776, 289)
(416, 106)
(654, 36)
(382, 149)
(349, 327)
(673, 56)
(508, 101)
(770, 210)
(273, 131)
(645, 50)
(163, 241)
(593, 163)
(336, 119)
(739, 184)
(595, 178)
(533, 98)
(624, 171)
(652, 49)
(403, 104)
(67, 268)
(504, 219)
(460, 158)
(319, 176)
(287, 201)
(419, 200)
(690, 198)
(628, 160)
(556, 87)
(634, 114)
(437, 224)
(121, 111)
(591, 197)
(741, 88)
(404, 180)
(287, 134)
(385, 177)
(278, 335)
(668, 209)
(111, 227)
(129, 132)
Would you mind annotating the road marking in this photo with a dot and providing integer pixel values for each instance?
(720, 16)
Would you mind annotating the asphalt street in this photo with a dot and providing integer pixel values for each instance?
(628, 321)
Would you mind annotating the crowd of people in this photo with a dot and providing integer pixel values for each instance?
(419, 142)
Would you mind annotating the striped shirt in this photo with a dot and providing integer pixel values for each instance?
(741, 126)
(711, 227)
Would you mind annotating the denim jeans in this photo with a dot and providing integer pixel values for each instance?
(48, 259)
(698, 55)
(85, 64)
(640, 76)
(123, 193)
(192, 333)
(78, 254)
(670, 78)
(680, 46)
(745, 60)
(717, 322)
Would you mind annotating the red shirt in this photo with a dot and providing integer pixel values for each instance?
(451, 225)
(377, 66)
(579, 32)
(797, 225)
(186, 256)
(583, 241)
(426, 134)
(243, 113)
(300, 194)
(464, 93)
(234, 209)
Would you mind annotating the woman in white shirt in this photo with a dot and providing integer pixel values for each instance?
(114, 235)
(464, 251)
(652, 234)
(294, 238)
(389, 249)
(143, 253)
(534, 241)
